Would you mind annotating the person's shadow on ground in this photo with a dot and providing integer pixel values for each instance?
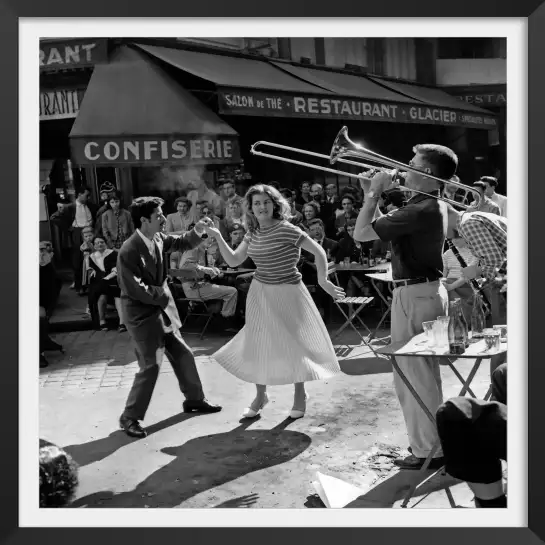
(206, 462)
(94, 451)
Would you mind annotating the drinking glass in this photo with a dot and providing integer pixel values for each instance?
(428, 328)
(503, 332)
(347, 262)
(440, 331)
(492, 339)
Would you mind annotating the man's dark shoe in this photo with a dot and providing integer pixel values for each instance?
(132, 427)
(200, 407)
(412, 462)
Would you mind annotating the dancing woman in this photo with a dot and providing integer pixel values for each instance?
(284, 340)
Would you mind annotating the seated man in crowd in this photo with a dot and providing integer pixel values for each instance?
(296, 216)
(240, 281)
(331, 195)
(473, 435)
(201, 287)
(234, 215)
(228, 195)
(308, 266)
(50, 287)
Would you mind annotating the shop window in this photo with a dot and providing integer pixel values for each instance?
(472, 48)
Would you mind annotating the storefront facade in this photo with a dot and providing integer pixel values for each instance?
(158, 120)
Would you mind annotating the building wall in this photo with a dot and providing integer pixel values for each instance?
(471, 71)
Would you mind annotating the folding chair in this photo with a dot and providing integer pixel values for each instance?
(196, 306)
(361, 303)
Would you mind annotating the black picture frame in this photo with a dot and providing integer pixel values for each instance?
(10, 13)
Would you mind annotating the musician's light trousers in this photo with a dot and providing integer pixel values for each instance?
(412, 305)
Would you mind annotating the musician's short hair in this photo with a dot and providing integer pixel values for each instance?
(490, 180)
(443, 160)
(143, 207)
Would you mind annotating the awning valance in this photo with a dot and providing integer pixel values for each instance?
(270, 88)
(133, 113)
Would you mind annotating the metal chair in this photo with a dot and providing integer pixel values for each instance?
(360, 302)
(196, 306)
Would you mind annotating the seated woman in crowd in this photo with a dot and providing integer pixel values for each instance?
(311, 211)
(117, 224)
(103, 284)
(304, 194)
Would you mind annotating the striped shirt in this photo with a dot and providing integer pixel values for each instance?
(275, 251)
(486, 237)
(451, 265)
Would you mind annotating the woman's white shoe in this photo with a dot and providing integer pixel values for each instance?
(296, 413)
(252, 413)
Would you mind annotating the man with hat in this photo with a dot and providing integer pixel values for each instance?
(485, 204)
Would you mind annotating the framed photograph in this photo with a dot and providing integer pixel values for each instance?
(129, 108)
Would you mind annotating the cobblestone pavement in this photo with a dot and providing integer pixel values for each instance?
(97, 360)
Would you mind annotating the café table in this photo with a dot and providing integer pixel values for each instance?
(418, 346)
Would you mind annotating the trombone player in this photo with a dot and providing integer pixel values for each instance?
(417, 234)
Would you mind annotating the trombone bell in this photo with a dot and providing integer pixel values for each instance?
(340, 145)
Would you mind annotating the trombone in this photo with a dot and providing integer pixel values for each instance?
(343, 148)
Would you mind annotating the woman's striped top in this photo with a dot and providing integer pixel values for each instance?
(276, 250)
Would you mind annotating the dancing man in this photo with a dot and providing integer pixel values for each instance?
(417, 233)
(150, 312)
(284, 340)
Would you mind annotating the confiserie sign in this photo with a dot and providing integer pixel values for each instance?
(240, 102)
(184, 149)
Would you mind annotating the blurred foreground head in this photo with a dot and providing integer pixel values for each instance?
(58, 477)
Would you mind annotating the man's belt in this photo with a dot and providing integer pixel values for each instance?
(411, 281)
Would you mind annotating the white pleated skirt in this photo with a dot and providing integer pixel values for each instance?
(284, 340)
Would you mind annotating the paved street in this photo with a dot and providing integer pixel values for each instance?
(351, 431)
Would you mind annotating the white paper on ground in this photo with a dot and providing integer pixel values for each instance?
(335, 493)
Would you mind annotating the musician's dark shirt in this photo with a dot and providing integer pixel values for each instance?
(417, 233)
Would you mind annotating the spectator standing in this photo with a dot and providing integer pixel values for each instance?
(105, 190)
(490, 191)
(180, 221)
(200, 193)
(82, 215)
(117, 223)
(485, 203)
(50, 287)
